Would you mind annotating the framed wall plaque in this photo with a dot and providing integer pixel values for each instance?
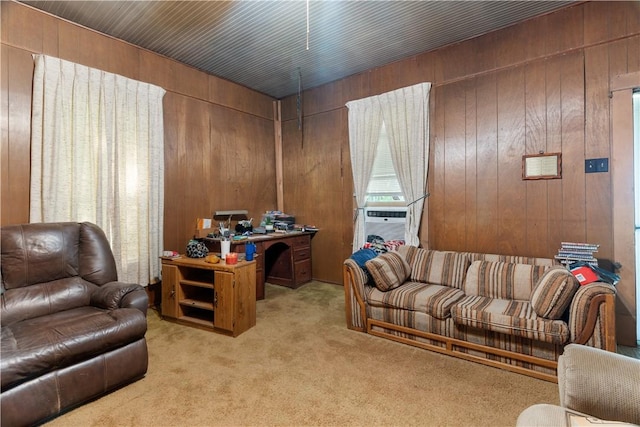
(542, 166)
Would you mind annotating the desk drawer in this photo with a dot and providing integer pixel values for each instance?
(302, 272)
(300, 241)
(300, 254)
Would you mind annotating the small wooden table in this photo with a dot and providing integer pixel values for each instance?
(281, 258)
(219, 297)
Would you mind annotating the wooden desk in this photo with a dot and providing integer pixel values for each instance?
(281, 258)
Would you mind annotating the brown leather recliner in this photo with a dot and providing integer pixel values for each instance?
(70, 331)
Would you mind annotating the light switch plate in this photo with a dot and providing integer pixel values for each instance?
(596, 165)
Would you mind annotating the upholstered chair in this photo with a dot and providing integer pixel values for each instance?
(593, 383)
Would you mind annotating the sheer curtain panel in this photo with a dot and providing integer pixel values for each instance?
(406, 116)
(97, 154)
(365, 122)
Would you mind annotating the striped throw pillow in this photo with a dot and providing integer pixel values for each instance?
(553, 293)
(388, 270)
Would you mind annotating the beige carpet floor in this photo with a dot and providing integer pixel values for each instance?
(300, 365)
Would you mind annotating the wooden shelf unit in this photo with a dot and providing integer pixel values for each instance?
(218, 297)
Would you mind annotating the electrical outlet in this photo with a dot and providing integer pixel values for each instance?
(590, 166)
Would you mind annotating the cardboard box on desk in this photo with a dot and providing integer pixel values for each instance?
(201, 233)
(203, 228)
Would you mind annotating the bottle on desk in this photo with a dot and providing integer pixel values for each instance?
(249, 250)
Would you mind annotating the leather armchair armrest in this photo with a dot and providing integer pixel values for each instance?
(600, 383)
(113, 295)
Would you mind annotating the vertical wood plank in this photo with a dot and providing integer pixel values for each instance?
(471, 167)
(277, 130)
(573, 176)
(4, 129)
(172, 110)
(20, 74)
(487, 161)
(437, 236)
(454, 159)
(511, 209)
(598, 185)
(554, 145)
(537, 227)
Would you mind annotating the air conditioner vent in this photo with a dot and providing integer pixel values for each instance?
(387, 214)
(386, 222)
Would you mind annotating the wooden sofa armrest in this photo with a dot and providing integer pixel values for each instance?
(592, 316)
(354, 282)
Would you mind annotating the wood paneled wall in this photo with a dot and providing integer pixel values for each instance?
(219, 143)
(541, 85)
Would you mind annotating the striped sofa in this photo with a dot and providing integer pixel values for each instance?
(512, 312)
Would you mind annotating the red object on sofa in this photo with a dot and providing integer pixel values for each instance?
(585, 275)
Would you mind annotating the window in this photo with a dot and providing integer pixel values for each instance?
(383, 185)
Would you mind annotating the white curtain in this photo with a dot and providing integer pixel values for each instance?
(406, 116)
(97, 154)
(405, 113)
(365, 122)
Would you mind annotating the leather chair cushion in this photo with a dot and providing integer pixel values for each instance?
(39, 253)
(39, 345)
(45, 298)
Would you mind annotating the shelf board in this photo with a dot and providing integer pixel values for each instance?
(196, 320)
(199, 284)
(204, 305)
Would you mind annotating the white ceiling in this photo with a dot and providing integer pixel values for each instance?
(263, 44)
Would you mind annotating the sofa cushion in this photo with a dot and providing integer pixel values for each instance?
(553, 293)
(388, 270)
(39, 345)
(502, 279)
(436, 267)
(434, 300)
(508, 317)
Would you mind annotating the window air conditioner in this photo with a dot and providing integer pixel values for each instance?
(386, 222)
